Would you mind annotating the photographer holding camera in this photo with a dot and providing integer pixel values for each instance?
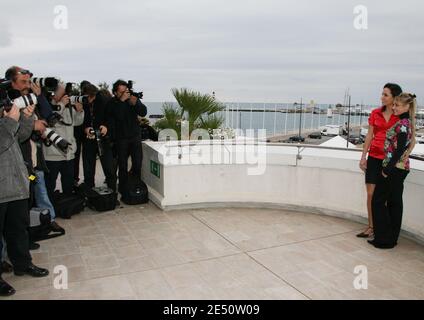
(96, 141)
(14, 194)
(32, 149)
(122, 112)
(59, 160)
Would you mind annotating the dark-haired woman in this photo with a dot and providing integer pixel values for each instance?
(380, 121)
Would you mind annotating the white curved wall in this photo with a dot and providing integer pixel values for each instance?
(323, 181)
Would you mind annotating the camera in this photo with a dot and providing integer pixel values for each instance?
(5, 84)
(50, 83)
(53, 138)
(21, 102)
(54, 119)
(78, 99)
(97, 134)
(139, 95)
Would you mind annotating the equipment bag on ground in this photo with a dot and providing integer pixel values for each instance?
(137, 191)
(101, 199)
(67, 205)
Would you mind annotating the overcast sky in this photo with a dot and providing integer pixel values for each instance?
(246, 51)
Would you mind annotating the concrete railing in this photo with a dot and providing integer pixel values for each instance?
(295, 177)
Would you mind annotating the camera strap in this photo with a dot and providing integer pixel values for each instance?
(69, 107)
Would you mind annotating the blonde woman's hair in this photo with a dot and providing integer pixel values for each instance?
(411, 100)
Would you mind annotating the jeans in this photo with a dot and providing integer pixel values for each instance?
(42, 199)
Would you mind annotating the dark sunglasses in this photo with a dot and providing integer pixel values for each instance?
(25, 72)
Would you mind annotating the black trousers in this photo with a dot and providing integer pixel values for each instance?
(387, 207)
(14, 223)
(90, 150)
(79, 138)
(66, 170)
(125, 149)
(77, 161)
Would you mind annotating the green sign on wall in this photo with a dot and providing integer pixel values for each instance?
(155, 168)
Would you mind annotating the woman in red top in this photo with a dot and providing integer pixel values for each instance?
(380, 121)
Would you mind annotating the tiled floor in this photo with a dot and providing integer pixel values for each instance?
(144, 253)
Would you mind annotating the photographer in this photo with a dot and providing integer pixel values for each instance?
(79, 139)
(96, 141)
(14, 194)
(57, 160)
(122, 112)
(32, 150)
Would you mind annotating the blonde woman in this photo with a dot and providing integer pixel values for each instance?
(387, 202)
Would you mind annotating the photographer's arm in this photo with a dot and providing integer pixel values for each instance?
(8, 130)
(44, 107)
(26, 127)
(78, 115)
(141, 109)
(110, 119)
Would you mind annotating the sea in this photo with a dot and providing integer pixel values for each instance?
(243, 116)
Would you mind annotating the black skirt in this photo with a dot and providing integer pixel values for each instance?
(373, 172)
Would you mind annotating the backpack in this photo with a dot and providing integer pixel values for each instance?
(67, 205)
(137, 191)
(40, 225)
(101, 199)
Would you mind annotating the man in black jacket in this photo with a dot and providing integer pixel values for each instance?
(97, 143)
(122, 112)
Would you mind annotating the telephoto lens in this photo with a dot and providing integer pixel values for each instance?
(57, 140)
(25, 101)
(78, 99)
(48, 82)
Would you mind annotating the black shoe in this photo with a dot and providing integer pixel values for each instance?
(56, 228)
(6, 290)
(6, 267)
(381, 245)
(34, 246)
(33, 271)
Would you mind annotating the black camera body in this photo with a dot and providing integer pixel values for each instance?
(139, 95)
(5, 84)
(98, 136)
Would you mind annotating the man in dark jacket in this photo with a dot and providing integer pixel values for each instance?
(96, 141)
(122, 112)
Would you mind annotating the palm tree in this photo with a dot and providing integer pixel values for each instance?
(196, 108)
(103, 86)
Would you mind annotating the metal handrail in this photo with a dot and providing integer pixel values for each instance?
(299, 146)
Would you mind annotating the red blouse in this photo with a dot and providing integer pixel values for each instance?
(381, 126)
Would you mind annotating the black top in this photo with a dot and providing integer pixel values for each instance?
(95, 113)
(122, 118)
